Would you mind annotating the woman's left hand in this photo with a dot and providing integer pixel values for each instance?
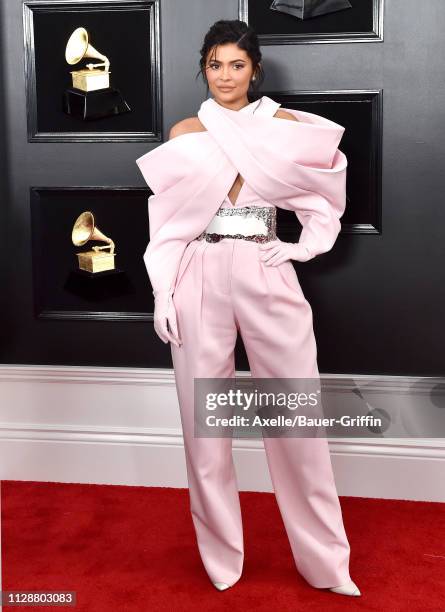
(277, 252)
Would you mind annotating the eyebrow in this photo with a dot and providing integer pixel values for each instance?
(235, 60)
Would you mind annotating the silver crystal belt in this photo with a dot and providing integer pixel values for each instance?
(257, 223)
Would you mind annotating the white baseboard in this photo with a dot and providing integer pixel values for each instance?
(122, 426)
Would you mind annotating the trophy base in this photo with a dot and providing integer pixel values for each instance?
(307, 9)
(98, 286)
(87, 105)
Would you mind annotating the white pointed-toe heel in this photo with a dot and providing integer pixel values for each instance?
(347, 589)
(221, 586)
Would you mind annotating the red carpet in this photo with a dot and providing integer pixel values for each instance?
(133, 549)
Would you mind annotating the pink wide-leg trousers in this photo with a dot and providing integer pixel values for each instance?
(223, 288)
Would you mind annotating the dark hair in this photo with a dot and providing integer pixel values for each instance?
(238, 32)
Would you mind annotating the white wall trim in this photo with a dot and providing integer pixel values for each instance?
(122, 426)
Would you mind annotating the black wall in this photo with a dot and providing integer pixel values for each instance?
(379, 309)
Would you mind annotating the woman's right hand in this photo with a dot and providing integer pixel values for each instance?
(165, 317)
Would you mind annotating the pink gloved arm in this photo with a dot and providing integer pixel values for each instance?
(165, 321)
(319, 213)
(276, 252)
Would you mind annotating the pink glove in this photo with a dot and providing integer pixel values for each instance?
(277, 252)
(164, 317)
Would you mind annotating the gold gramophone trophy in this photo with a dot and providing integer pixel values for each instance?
(96, 260)
(91, 96)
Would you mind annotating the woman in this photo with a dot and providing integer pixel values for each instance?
(217, 268)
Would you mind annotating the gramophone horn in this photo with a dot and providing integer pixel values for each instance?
(78, 47)
(84, 230)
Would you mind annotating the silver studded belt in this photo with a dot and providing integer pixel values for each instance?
(257, 223)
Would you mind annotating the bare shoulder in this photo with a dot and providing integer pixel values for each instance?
(186, 126)
(281, 114)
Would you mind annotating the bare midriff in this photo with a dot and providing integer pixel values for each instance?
(235, 190)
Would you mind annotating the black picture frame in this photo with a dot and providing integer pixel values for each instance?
(363, 22)
(63, 292)
(360, 112)
(128, 33)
